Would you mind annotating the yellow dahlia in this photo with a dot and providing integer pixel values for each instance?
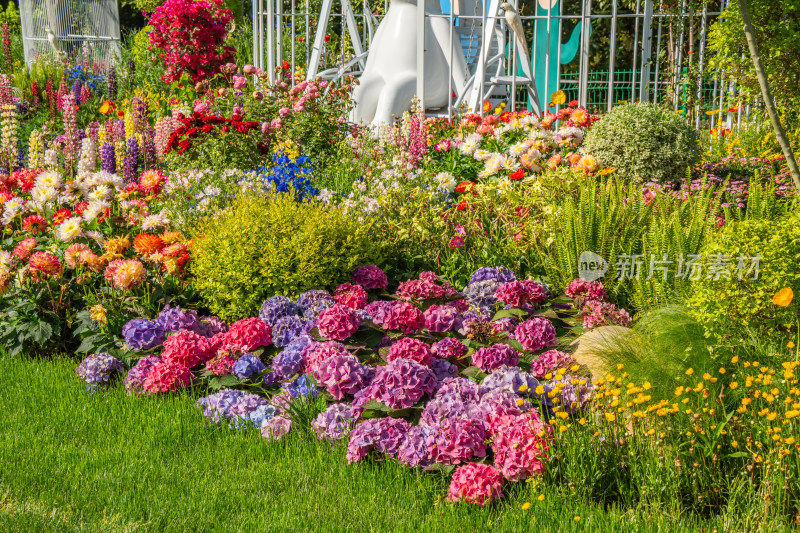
(171, 237)
(118, 245)
(127, 273)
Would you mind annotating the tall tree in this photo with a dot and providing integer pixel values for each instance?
(766, 95)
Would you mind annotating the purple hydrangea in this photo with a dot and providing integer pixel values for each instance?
(550, 361)
(276, 427)
(289, 362)
(219, 406)
(134, 381)
(399, 384)
(341, 375)
(286, 329)
(381, 435)
(510, 379)
(464, 388)
(481, 294)
(335, 422)
(142, 334)
(378, 310)
(441, 318)
(448, 348)
(575, 396)
(99, 368)
(493, 357)
(247, 366)
(210, 326)
(504, 325)
(418, 446)
(498, 274)
(176, 319)
(498, 402)
(449, 405)
(300, 388)
(313, 302)
(535, 334)
(270, 378)
(444, 369)
(276, 308)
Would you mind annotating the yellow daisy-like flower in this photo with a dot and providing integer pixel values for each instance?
(540, 497)
(526, 506)
(118, 245)
(558, 97)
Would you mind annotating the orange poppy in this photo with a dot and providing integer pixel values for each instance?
(465, 186)
(107, 106)
(783, 297)
(487, 105)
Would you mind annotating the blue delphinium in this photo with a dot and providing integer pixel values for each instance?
(77, 73)
(286, 175)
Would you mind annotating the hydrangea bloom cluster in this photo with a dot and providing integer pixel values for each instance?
(338, 322)
(353, 296)
(176, 319)
(476, 483)
(399, 384)
(370, 277)
(441, 318)
(449, 348)
(403, 316)
(498, 274)
(247, 366)
(141, 334)
(134, 380)
(535, 334)
(521, 293)
(492, 357)
(380, 435)
(99, 369)
(249, 334)
(519, 449)
(275, 308)
(550, 361)
(596, 313)
(411, 348)
(341, 375)
(588, 290)
(314, 353)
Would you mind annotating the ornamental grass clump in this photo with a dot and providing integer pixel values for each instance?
(261, 247)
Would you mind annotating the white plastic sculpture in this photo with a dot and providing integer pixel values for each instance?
(389, 82)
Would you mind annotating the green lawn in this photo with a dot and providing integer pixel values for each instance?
(71, 460)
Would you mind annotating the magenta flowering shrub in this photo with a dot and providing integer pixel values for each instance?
(190, 37)
(596, 313)
(492, 357)
(341, 375)
(476, 483)
(338, 322)
(353, 296)
(370, 277)
(379, 435)
(403, 316)
(550, 361)
(411, 348)
(520, 445)
(536, 334)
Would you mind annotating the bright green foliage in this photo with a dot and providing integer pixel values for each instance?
(261, 247)
(727, 308)
(645, 142)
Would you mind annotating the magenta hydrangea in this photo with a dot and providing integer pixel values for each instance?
(220, 365)
(504, 325)
(380, 435)
(341, 375)
(475, 483)
(370, 277)
(427, 287)
(166, 376)
(353, 296)
(441, 318)
(443, 369)
(491, 357)
(410, 348)
(520, 293)
(185, 348)
(449, 348)
(596, 313)
(588, 290)
(535, 334)
(378, 310)
(399, 384)
(134, 380)
(338, 322)
(550, 361)
(460, 439)
(520, 446)
(404, 317)
(335, 422)
(314, 353)
(418, 446)
(249, 334)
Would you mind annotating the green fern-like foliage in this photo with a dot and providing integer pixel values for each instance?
(260, 247)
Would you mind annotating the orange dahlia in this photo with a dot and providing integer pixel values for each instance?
(118, 245)
(580, 117)
(45, 262)
(93, 261)
(72, 256)
(150, 181)
(34, 224)
(174, 250)
(127, 273)
(24, 248)
(146, 244)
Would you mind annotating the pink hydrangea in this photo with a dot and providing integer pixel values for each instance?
(220, 366)
(519, 293)
(550, 361)
(338, 322)
(495, 406)
(441, 318)
(536, 334)
(460, 439)
(166, 376)
(427, 287)
(520, 445)
(353, 296)
(476, 483)
(403, 316)
(276, 427)
(399, 384)
(249, 334)
(185, 348)
(411, 348)
(588, 290)
(382, 435)
(449, 348)
(314, 353)
(495, 356)
(596, 313)
(341, 375)
(370, 277)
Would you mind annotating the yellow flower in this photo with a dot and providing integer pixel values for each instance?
(540, 497)
(520, 402)
(689, 371)
(523, 388)
(98, 313)
(790, 345)
(558, 97)
(611, 417)
(526, 506)
(539, 390)
(722, 370)
(735, 359)
(577, 518)
(783, 297)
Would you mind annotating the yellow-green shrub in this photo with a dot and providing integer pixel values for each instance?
(260, 247)
(728, 308)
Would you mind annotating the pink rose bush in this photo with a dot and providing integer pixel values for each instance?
(427, 376)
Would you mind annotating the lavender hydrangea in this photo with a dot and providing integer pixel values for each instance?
(276, 308)
(142, 334)
(99, 368)
(381, 435)
(176, 319)
(510, 379)
(335, 422)
(134, 381)
(341, 375)
(441, 318)
(313, 302)
(399, 384)
(481, 294)
(247, 366)
(417, 448)
(289, 362)
(378, 310)
(498, 274)
(449, 405)
(444, 369)
(239, 407)
(257, 417)
(210, 326)
(464, 388)
(286, 329)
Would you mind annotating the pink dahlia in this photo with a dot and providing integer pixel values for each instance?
(370, 277)
(495, 356)
(314, 353)
(185, 348)
(476, 483)
(353, 296)
(403, 316)
(166, 376)
(23, 250)
(411, 348)
(341, 375)
(536, 334)
(249, 334)
(338, 322)
(441, 318)
(520, 445)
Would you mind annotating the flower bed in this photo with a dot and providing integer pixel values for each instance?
(435, 378)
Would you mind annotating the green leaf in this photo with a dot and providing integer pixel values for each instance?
(220, 382)
(375, 405)
(509, 313)
(474, 373)
(39, 332)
